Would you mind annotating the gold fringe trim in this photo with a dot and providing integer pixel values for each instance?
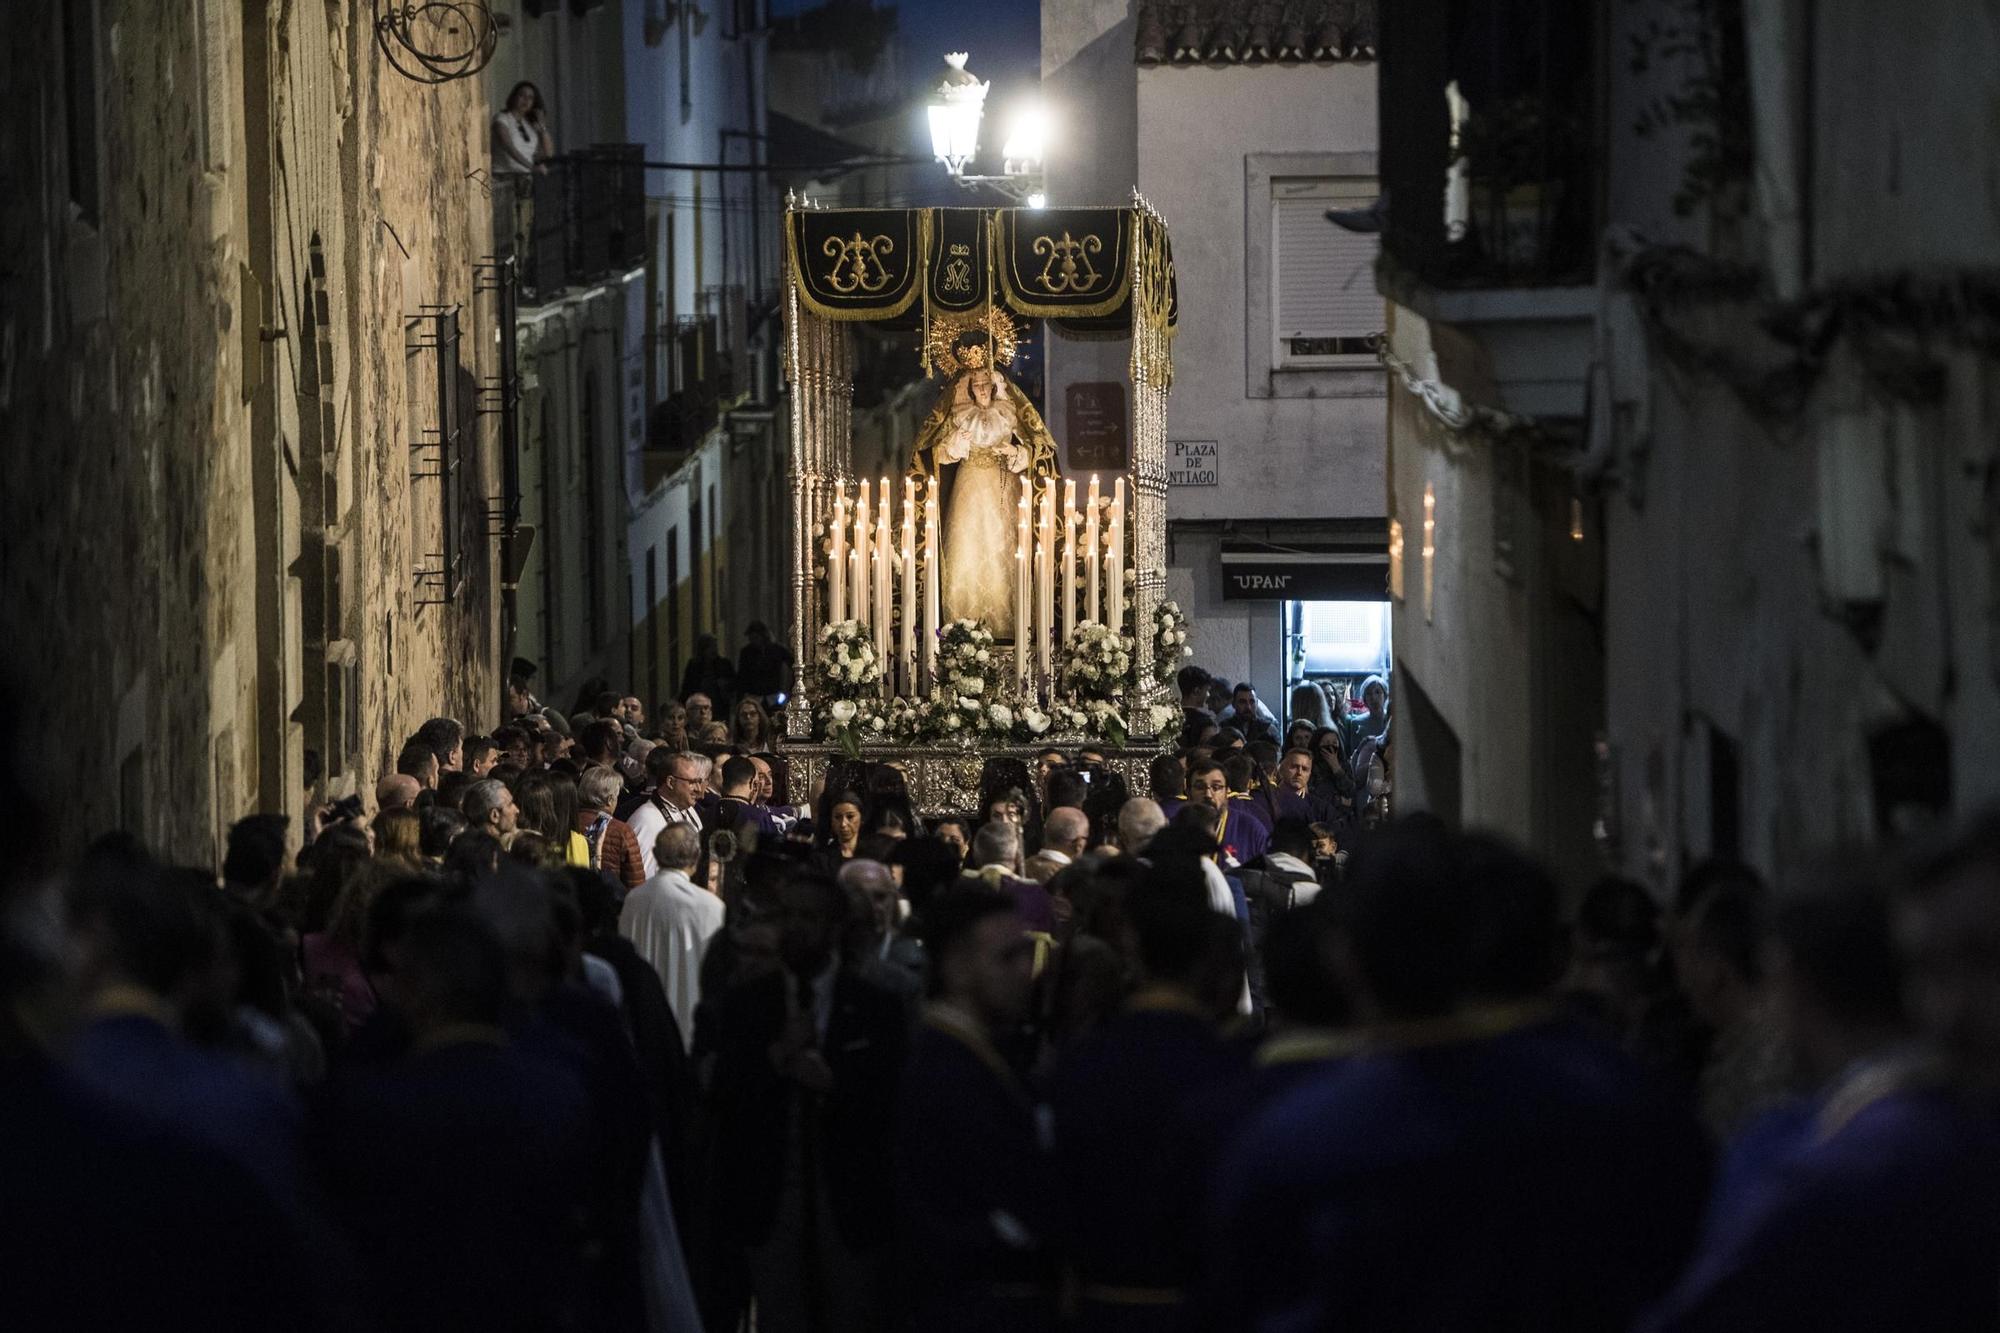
(794, 233)
(1023, 305)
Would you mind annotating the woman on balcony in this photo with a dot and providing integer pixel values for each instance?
(522, 143)
(522, 146)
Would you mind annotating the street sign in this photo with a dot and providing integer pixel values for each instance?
(1192, 462)
(1094, 418)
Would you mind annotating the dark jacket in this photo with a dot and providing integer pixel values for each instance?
(1131, 1198)
(715, 677)
(461, 1173)
(866, 1036)
(1532, 1178)
(969, 1151)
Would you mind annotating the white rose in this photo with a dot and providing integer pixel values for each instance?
(951, 721)
(875, 723)
(1002, 715)
(1037, 722)
(844, 710)
(982, 655)
(972, 685)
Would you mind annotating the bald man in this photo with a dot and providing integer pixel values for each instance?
(1138, 820)
(396, 791)
(1065, 833)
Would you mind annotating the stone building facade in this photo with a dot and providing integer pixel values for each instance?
(244, 529)
(1693, 438)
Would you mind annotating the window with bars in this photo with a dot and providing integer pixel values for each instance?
(431, 370)
(1325, 310)
(79, 48)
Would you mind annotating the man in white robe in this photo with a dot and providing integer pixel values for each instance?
(670, 920)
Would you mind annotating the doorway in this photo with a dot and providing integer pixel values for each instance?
(1335, 645)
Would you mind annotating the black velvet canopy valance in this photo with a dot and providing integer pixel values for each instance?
(1075, 266)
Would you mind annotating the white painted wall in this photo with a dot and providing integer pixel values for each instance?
(1291, 457)
(1470, 652)
(1719, 608)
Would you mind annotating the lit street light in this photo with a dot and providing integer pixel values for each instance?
(955, 111)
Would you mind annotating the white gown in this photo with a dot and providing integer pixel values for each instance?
(979, 528)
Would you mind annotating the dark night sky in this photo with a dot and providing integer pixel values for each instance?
(1004, 38)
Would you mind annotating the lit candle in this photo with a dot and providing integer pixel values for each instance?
(908, 656)
(885, 572)
(931, 579)
(858, 567)
(1046, 604)
(1114, 581)
(1069, 559)
(1093, 548)
(1023, 549)
(836, 558)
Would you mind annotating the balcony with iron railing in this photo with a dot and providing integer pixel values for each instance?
(706, 378)
(578, 222)
(1490, 162)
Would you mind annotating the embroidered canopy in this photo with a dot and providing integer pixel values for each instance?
(1075, 266)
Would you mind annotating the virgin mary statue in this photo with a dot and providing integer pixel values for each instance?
(980, 439)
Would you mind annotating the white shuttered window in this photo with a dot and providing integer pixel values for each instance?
(1323, 278)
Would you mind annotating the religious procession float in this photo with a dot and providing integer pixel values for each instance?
(984, 603)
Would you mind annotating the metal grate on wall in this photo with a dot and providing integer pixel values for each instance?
(430, 350)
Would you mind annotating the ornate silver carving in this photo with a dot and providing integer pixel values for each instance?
(944, 779)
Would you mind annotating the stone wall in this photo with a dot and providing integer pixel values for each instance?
(209, 530)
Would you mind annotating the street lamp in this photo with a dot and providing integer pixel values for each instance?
(956, 109)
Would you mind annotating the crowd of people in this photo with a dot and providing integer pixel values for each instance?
(598, 1022)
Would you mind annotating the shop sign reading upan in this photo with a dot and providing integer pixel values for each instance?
(1192, 462)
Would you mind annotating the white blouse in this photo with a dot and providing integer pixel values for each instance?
(514, 144)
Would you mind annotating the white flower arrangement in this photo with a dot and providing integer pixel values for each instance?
(847, 666)
(976, 698)
(965, 648)
(1170, 640)
(967, 693)
(1096, 663)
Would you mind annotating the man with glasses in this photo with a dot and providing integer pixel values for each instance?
(682, 781)
(1239, 835)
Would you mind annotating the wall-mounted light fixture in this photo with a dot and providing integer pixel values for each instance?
(955, 110)
(1430, 544)
(1396, 559)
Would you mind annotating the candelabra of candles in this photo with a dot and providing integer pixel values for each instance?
(884, 568)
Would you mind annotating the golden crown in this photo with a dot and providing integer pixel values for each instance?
(996, 347)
